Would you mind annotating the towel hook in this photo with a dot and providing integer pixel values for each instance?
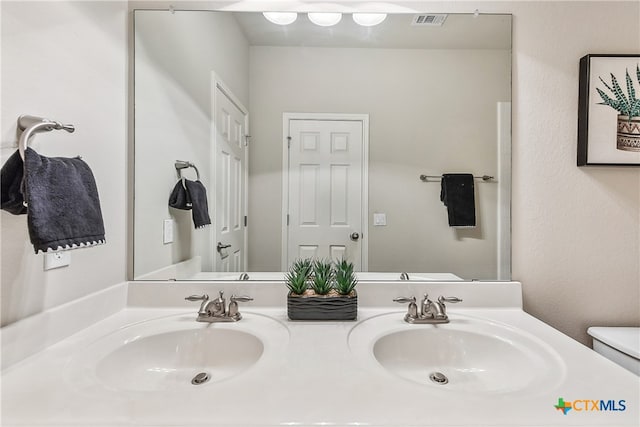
(30, 125)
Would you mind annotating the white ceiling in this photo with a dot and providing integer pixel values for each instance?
(459, 31)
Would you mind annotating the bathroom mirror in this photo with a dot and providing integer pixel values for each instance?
(326, 141)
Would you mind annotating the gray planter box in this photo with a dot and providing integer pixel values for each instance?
(321, 307)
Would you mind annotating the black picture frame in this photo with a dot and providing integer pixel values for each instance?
(594, 147)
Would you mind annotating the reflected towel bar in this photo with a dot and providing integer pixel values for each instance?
(182, 164)
(425, 178)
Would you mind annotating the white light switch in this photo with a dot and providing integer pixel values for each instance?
(167, 231)
(379, 219)
(56, 260)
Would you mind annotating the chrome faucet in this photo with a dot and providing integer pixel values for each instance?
(215, 310)
(430, 311)
(243, 276)
(404, 276)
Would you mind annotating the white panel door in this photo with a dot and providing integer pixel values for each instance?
(230, 183)
(325, 190)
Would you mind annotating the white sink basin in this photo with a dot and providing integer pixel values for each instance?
(467, 355)
(176, 352)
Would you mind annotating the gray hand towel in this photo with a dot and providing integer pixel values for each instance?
(63, 208)
(191, 195)
(457, 194)
(179, 197)
(11, 183)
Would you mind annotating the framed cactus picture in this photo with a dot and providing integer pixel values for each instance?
(609, 110)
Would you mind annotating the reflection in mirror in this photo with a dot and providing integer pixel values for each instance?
(311, 140)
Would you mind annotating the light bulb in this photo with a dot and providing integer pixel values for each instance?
(369, 19)
(281, 18)
(325, 19)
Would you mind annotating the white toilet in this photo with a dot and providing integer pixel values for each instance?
(619, 344)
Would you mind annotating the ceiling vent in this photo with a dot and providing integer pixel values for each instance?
(432, 19)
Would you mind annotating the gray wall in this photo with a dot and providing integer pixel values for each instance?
(576, 231)
(430, 112)
(66, 61)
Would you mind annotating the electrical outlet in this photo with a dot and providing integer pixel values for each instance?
(56, 260)
(167, 231)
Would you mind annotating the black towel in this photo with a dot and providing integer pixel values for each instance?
(457, 193)
(11, 183)
(191, 195)
(179, 197)
(63, 208)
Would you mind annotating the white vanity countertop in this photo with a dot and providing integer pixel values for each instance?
(315, 380)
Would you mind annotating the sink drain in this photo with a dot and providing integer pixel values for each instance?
(201, 378)
(438, 378)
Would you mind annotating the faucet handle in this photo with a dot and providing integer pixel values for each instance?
(205, 300)
(404, 300)
(203, 297)
(233, 312)
(442, 299)
(412, 311)
(240, 298)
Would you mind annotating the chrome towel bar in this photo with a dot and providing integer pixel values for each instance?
(426, 178)
(182, 164)
(30, 125)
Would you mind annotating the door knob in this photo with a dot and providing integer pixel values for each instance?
(354, 236)
(220, 246)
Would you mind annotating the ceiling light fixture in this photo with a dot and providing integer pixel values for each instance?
(369, 19)
(325, 19)
(280, 18)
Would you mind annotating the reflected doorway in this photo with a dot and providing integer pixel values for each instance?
(325, 196)
(230, 178)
